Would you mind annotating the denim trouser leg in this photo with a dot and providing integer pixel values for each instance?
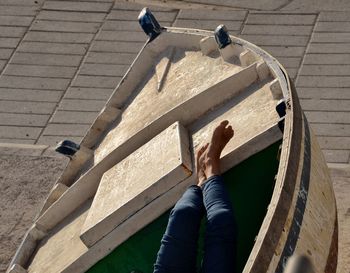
(221, 233)
(178, 250)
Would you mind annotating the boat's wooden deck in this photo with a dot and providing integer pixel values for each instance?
(190, 73)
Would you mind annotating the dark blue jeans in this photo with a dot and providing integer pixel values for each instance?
(178, 250)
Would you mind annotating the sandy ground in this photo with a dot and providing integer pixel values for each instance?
(25, 181)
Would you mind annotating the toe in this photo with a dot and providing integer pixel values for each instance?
(224, 123)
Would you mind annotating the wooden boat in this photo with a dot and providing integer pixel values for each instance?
(109, 209)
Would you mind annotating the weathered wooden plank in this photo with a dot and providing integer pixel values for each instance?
(121, 184)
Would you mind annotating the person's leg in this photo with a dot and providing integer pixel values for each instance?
(221, 233)
(178, 250)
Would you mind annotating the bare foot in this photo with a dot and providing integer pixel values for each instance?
(210, 159)
(200, 163)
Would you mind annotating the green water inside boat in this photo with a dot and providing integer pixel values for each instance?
(250, 185)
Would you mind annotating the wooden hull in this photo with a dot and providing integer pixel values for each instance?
(302, 217)
(80, 227)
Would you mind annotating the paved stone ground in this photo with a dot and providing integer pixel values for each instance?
(60, 61)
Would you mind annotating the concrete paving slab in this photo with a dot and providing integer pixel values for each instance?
(110, 58)
(12, 31)
(97, 1)
(317, 5)
(18, 10)
(205, 15)
(54, 140)
(290, 62)
(63, 26)
(22, 2)
(233, 26)
(132, 5)
(17, 141)
(281, 19)
(122, 36)
(333, 27)
(30, 95)
(96, 81)
(22, 149)
(77, 6)
(325, 105)
(70, 16)
(20, 132)
(11, 20)
(292, 72)
(15, 119)
(131, 15)
(5, 53)
(59, 37)
(46, 59)
(246, 4)
(337, 156)
(323, 81)
(327, 117)
(276, 40)
(337, 143)
(81, 105)
(285, 51)
(334, 17)
(326, 37)
(122, 25)
(89, 93)
(2, 64)
(103, 69)
(55, 48)
(9, 42)
(341, 130)
(337, 59)
(34, 82)
(65, 130)
(118, 47)
(277, 30)
(329, 48)
(323, 93)
(74, 117)
(156, 167)
(40, 71)
(325, 70)
(27, 107)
